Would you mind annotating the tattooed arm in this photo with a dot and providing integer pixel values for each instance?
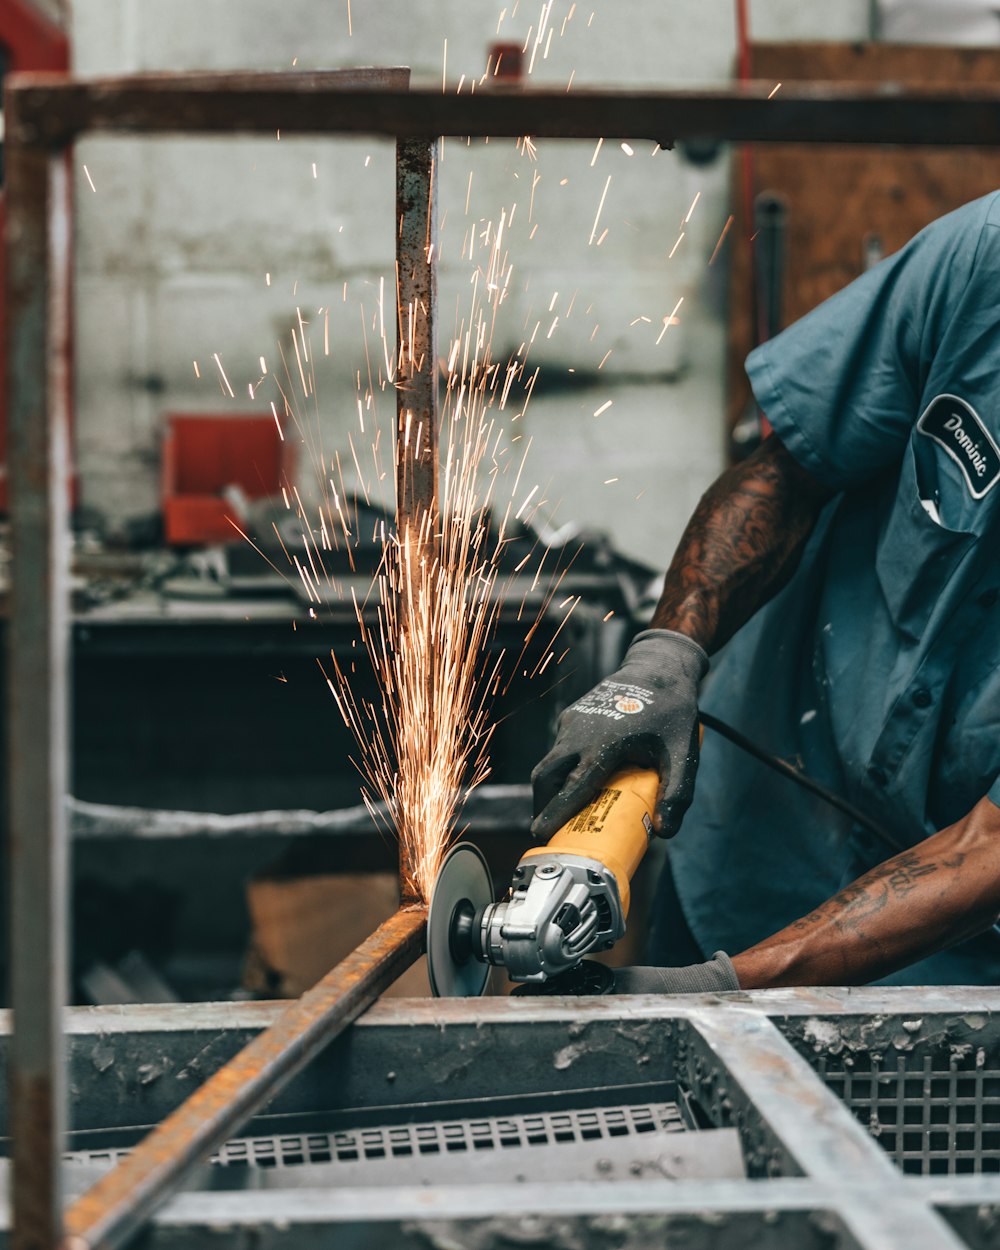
(741, 545)
(944, 890)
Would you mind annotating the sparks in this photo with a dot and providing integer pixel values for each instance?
(670, 320)
(600, 208)
(222, 373)
(722, 239)
(433, 606)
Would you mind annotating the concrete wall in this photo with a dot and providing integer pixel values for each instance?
(191, 248)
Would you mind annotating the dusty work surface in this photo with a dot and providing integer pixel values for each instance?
(861, 1118)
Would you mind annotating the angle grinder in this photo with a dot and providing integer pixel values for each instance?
(566, 899)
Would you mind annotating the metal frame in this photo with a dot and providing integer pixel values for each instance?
(44, 115)
(817, 1178)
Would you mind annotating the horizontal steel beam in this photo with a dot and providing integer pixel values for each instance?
(53, 111)
(723, 1215)
(120, 1203)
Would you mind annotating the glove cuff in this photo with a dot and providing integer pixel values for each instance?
(721, 971)
(673, 639)
(717, 976)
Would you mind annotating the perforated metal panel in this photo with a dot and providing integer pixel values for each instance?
(403, 1141)
(934, 1114)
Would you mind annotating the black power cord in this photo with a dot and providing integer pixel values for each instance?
(807, 783)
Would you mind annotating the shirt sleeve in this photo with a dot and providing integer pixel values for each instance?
(841, 387)
(993, 793)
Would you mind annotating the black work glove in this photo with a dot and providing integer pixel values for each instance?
(647, 714)
(708, 978)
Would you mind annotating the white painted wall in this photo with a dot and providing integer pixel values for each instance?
(177, 237)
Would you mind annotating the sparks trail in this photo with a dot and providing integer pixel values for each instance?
(428, 622)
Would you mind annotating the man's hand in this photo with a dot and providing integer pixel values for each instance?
(646, 713)
(740, 547)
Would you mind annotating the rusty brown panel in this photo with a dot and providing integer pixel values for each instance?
(838, 195)
(119, 1204)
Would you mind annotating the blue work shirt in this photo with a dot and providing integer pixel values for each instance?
(877, 668)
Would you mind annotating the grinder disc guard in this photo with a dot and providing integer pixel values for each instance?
(461, 893)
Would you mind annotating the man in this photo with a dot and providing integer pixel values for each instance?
(845, 581)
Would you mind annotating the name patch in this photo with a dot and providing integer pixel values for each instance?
(956, 426)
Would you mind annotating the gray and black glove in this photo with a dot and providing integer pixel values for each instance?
(647, 714)
(712, 977)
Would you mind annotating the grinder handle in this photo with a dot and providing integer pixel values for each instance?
(615, 828)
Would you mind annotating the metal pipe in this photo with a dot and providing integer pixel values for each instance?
(58, 110)
(416, 384)
(119, 1204)
(38, 675)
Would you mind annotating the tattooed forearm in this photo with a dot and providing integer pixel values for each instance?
(741, 545)
(895, 878)
(940, 892)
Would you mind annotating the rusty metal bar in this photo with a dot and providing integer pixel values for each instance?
(417, 378)
(57, 110)
(119, 1204)
(38, 676)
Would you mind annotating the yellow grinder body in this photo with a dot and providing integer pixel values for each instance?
(615, 829)
(567, 899)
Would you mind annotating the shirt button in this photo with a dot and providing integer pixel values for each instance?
(877, 775)
(921, 698)
(988, 598)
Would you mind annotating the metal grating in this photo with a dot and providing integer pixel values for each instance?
(933, 1114)
(444, 1137)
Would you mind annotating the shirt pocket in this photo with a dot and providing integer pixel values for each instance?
(930, 531)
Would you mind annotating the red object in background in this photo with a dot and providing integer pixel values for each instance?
(205, 454)
(27, 41)
(506, 62)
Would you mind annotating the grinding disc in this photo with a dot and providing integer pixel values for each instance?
(464, 880)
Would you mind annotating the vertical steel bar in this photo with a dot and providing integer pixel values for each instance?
(37, 241)
(417, 380)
